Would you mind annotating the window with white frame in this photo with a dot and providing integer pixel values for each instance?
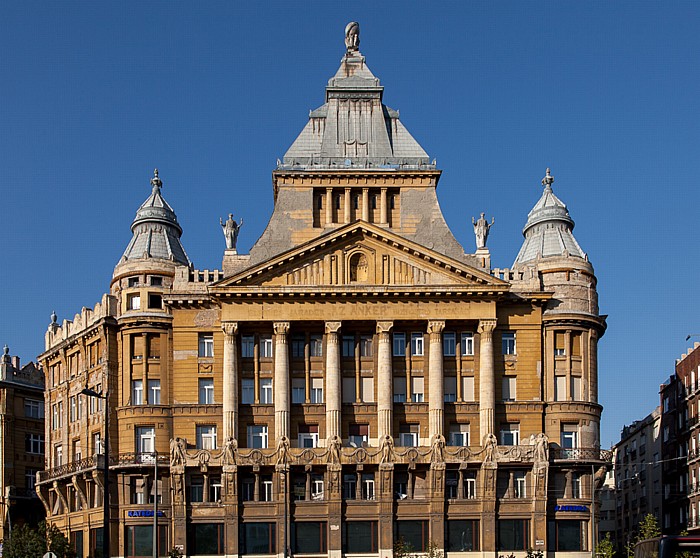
(206, 391)
(58, 455)
(450, 387)
(459, 435)
(468, 388)
(417, 393)
(154, 392)
(247, 346)
(510, 434)
(348, 389)
(416, 344)
(206, 344)
(569, 436)
(34, 443)
(317, 487)
(519, 484)
(367, 385)
(358, 435)
(467, 343)
(408, 435)
(399, 344)
(298, 391)
(137, 392)
(30, 478)
(576, 485)
(559, 344)
(449, 343)
(77, 451)
(368, 486)
(257, 436)
(206, 437)
(266, 490)
(316, 346)
(366, 349)
(247, 391)
(470, 485)
(308, 435)
(400, 389)
(133, 301)
(145, 439)
(73, 408)
(316, 390)
(33, 408)
(266, 346)
(266, 391)
(508, 388)
(508, 342)
(559, 388)
(97, 443)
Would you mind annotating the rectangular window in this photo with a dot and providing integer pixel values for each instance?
(468, 388)
(33, 409)
(513, 534)
(155, 300)
(73, 408)
(459, 435)
(154, 392)
(137, 392)
(567, 535)
(77, 452)
(559, 344)
(266, 391)
(205, 539)
(30, 478)
(399, 344)
(400, 390)
(519, 484)
(348, 390)
(366, 349)
(467, 342)
(316, 346)
(449, 344)
(317, 390)
(298, 391)
(576, 388)
(206, 437)
(58, 456)
(408, 435)
(367, 385)
(259, 538)
(508, 342)
(450, 386)
(308, 435)
(133, 301)
(266, 489)
(156, 281)
(206, 344)
(214, 489)
(414, 534)
(265, 346)
(559, 388)
(510, 434)
(417, 393)
(206, 391)
(348, 346)
(470, 485)
(145, 439)
(367, 486)
(576, 485)
(34, 444)
(247, 346)
(132, 282)
(138, 490)
(508, 385)
(349, 486)
(358, 435)
(569, 436)
(417, 344)
(197, 489)
(360, 537)
(257, 436)
(462, 535)
(298, 346)
(309, 537)
(97, 443)
(247, 391)
(139, 541)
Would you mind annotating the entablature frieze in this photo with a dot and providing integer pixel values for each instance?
(356, 178)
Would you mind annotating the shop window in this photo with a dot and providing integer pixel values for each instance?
(309, 537)
(258, 538)
(414, 534)
(205, 539)
(360, 537)
(462, 535)
(566, 535)
(139, 541)
(513, 534)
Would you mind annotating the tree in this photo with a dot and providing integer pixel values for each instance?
(26, 542)
(605, 548)
(649, 527)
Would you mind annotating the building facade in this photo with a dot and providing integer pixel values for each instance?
(21, 441)
(355, 380)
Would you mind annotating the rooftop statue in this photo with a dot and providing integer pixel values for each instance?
(481, 230)
(230, 229)
(352, 37)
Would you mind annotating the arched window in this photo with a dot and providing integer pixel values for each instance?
(359, 269)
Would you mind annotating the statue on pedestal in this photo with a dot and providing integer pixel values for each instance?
(230, 229)
(481, 230)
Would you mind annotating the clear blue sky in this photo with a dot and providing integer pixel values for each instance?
(93, 95)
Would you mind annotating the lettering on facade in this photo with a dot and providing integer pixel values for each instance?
(144, 513)
(570, 508)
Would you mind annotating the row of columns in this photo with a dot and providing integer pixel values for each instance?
(383, 207)
(333, 396)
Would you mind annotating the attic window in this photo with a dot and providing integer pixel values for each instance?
(359, 269)
(133, 282)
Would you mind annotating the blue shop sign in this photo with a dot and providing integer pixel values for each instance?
(144, 513)
(571, 508)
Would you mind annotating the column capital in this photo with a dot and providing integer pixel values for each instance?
(333, 327)
(436, 326)
(280, 328)
(487, 326)
(229, 328)
(384, 327)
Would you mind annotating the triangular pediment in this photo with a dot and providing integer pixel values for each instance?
(361, 255)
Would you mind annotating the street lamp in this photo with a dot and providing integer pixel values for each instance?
(105, 526)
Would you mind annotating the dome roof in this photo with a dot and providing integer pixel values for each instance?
(548, 231)
(156, 232)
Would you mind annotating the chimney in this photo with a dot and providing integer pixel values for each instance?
(15, 362)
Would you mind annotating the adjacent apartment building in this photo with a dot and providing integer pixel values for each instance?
(357, 378)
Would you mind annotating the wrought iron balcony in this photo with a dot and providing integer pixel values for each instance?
(581, 454)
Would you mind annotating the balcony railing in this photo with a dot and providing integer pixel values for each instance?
(68, 468)
(581, 454)
(120, 460)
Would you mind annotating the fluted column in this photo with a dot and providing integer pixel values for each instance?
(329, 206)
(281, 386)
(346, 210)
(230, 377)
(365, 204)
(385, 389)
(436, 388)
(383, 217)
(487, 390)
(333, 387)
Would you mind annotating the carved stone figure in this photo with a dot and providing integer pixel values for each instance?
(541, 448)
(177, 452)
(334, 449)
(490, 443)
(283, 451)
(437, 449)
(387, 449)
(229, 453)
(352, 37)
(481, 230)
(230, 229)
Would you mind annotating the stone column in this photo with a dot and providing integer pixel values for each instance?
(333, 383)
(365, 204)
(383, 209)
(487, 391)
(347, 205)
(230, 377)
(385, 389)
(436, 388)
(281, 386)
(329, 206)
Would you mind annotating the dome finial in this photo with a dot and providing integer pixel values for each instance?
(155, 181)
(352, 37)
(548, 180)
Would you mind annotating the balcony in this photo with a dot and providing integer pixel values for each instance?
(68, 469)
(581, 454)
